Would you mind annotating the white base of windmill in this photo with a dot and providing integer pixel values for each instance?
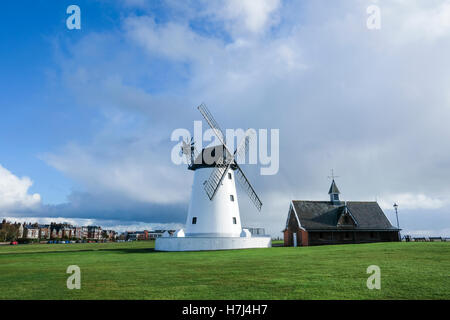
(212, 224)
(210, 243)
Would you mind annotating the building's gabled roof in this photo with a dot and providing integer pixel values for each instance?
(333, 188)
(345, 212)
(324, 215)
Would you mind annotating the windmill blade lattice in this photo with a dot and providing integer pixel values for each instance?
(248, 188)
(189, 150)
(218, 174)
(215, 179)
(213, 124)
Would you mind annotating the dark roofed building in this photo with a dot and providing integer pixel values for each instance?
(336, 222)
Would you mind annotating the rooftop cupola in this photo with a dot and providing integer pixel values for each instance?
(334, 193)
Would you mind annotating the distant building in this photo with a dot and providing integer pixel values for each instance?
(109, 234)
(94, 232)
(336, 222)
(31, 231)
(155, 234)
(137, 235)
(55, 231)
(68, 232)
(78, 232)
(84, 232)
(61, 231)
(44, 231)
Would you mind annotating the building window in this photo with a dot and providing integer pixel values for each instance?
(336, 197)
(194, 220)
(347, 235)
(231, 197)
(234, 220)
(321, 235)
(229, 175)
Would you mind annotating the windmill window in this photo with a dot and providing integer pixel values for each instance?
(336, 197)
(234, 220)
(231, 197)
(229, 175)
(194, 220)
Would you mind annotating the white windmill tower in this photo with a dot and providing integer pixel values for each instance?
(213, 221)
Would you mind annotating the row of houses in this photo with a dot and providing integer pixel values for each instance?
(34, 231)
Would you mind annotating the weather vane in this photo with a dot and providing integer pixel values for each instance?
(332, 175)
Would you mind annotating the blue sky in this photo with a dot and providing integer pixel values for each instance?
(27, 116)
(86, 115)
(34, 113)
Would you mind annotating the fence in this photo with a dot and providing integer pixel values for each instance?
(409, 238)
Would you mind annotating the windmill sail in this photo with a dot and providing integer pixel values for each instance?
(215, 179)
(189, 150)
(248, 188)
(213, 124)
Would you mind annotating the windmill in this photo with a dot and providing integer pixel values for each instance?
(218, 174)
(213, 220)
(213, 208)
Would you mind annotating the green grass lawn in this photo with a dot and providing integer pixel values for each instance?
(134, 271)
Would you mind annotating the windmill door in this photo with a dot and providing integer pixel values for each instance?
(294, 239)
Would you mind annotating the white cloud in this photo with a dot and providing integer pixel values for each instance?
(252, 16)
(413, 21)
(411, 201)
(218, 68)
(174, 41)
(240, 18)
(14, 192)
(133, 171)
